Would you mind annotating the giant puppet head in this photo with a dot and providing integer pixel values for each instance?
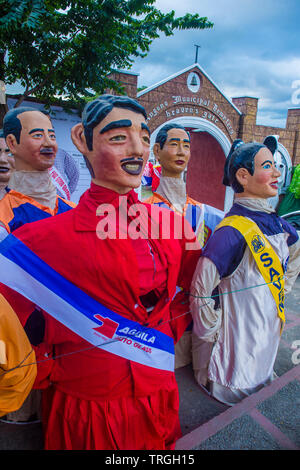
(172, 149)
(250, 169)
(115, 141)
(6, 161)
(31, 139)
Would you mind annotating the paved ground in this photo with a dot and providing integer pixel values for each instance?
(269, 419)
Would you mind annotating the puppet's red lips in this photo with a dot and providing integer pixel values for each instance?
(274, 185)
(179, 162)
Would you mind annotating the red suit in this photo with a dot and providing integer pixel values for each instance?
(101, 400)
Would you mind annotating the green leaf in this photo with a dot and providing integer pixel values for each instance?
(68, 47)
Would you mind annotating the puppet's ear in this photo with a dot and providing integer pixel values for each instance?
(78, 138)
(156, 148)
(271, 141)
(11, 143)
(242, 176)
(236, 143)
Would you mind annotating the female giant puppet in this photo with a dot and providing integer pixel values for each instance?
(98, 285)
(246, 258)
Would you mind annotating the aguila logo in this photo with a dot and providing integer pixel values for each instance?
(108, 327)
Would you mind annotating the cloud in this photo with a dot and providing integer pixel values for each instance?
(252, 50)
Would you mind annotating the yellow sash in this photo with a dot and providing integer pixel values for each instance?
(266, 259)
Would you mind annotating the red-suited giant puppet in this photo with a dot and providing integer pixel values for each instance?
(113, 276)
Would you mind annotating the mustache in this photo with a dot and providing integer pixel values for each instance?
(47, 150)
(126, 165)
(132, 159)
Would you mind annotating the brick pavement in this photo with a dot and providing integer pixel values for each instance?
(269, 419)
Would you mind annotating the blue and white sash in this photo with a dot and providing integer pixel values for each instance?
(60, 183)
(22, 270)
(194, 214)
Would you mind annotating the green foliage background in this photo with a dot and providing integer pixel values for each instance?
(67, 48)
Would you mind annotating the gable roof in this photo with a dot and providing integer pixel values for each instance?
(171, 77)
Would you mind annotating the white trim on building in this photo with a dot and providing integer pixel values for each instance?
(152, 87)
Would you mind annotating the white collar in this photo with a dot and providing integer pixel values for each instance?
(255, 204)
(36, 184)
(174, 190)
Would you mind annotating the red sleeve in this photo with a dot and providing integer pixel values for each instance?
(23, 307)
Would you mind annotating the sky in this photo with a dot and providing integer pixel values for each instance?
(252, 50)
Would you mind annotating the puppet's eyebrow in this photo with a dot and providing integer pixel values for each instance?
(37, 129)
(144, 126)
(116, 125)
(178, 139)
(267, 161)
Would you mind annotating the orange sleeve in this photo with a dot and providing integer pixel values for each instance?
(6, 212)
(17, 361)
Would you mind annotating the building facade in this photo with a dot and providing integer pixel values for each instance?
(191, 98)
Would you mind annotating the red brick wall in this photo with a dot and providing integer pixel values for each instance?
(289, 136)
(173, 99)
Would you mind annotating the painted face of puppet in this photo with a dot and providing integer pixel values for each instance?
(121, 145)
(6, 163)
(175, 154)
(264, 181)
(280, 164)
(37, 148)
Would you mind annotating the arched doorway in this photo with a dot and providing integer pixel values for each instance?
(205, 170)
(209, 148)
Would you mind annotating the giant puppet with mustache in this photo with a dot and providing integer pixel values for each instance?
(111, 301)
(29, 196)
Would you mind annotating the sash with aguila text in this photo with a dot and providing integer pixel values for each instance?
(264, 255)
(23, 271)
